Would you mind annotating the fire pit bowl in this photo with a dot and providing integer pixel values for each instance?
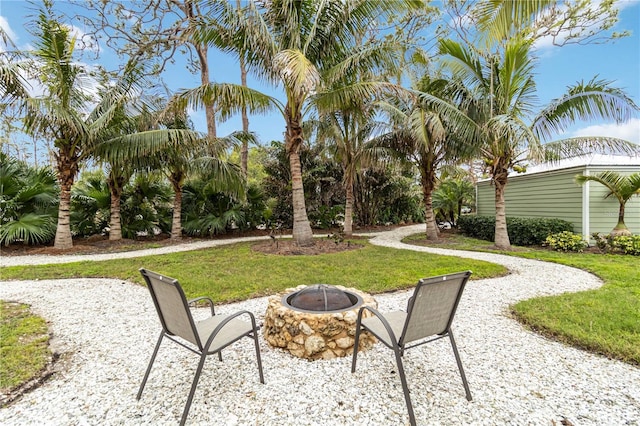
(317, 321)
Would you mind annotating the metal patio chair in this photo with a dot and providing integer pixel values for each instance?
(206, 337)
(429, 315)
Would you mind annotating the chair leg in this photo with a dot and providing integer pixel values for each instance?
(153, 358)
(355, 348)
(220, 355)
(464, 378)
(405, 386)
(192, 392)
(255, 340)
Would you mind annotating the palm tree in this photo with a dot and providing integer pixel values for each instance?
(501, 93)
(428, 138)
(308, 46)
(60, 114)
(620, 187)
(350, 133)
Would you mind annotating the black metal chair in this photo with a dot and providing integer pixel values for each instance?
(429, 315)
(203, 338)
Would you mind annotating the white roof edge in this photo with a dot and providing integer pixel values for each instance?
(584, 160)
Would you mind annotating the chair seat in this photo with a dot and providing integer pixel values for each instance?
(396, 321)
(232, 331)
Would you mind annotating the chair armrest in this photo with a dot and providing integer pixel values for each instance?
(382, 319)
(225, 322)
(197, 299)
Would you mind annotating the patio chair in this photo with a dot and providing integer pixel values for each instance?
(203, 338)
(429, 315)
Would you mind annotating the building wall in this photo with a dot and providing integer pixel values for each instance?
(545, 195)
(604, 212)
(555, 194)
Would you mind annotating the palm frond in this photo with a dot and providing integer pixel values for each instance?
(594, 100)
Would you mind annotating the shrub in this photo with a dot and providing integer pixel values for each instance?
(566, 241)
(619, 244)
(522, 231)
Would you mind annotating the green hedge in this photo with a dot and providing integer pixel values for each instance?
(523, 231)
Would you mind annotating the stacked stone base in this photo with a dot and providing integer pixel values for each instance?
(315, 335)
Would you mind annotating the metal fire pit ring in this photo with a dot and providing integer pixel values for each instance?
(322, 299)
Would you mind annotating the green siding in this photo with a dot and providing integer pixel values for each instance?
(554, 194)
(547, 195)
(604, 212)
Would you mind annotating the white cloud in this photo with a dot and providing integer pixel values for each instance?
(629, 131)
(84, 41)
(4, 24)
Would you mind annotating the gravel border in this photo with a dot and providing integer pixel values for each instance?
(106, 330)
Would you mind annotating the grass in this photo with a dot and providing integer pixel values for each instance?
(605, 321)
(235, 272)
(24, 350)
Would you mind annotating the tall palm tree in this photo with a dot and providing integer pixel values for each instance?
(308, 46)
(350, 134)
(63, 113)
(501, 90)
(620, 187)
(429, 138)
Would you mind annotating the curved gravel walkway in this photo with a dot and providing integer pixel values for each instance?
(106, 330)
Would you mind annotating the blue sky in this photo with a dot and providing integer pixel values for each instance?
(557, 68)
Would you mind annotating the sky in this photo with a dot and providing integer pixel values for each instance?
(557, 68)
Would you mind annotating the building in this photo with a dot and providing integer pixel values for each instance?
(550, 191)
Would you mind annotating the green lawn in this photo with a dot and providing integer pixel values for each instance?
(24, 350)
(236, 272)
(605, 321)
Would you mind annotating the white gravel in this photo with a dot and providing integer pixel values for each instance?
(106, 330)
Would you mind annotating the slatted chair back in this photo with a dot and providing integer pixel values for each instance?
(172, 307)
(432, 307)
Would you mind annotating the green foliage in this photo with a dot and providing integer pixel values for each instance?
(566, 241)
(618, 244)
(387, 196)
(450, 197)
(28, 202)
(90, 205)
(146, 206)
(523, 231)
(24, 349)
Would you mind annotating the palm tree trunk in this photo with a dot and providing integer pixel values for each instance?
(302, 234)
(67, 171)
(621, 228)
(244, 151)
(428, 179)
(501, 234)
(115, 188)
(176, 222)
(348, 210)
(209, 109)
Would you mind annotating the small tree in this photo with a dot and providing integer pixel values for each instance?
(621, 187)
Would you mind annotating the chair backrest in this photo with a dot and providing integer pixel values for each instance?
(433, 305)
(172, 306)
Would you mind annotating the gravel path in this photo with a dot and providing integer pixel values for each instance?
(106, 330)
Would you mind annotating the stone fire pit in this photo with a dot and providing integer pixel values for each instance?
(322, 332)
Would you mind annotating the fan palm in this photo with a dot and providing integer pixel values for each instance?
(307, 46)
(620, 187)
(501, 90)
(27, 202)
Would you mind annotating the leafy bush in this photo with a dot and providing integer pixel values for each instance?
(522, 231)
(618, 244)
(566, 241)
(28, 202)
